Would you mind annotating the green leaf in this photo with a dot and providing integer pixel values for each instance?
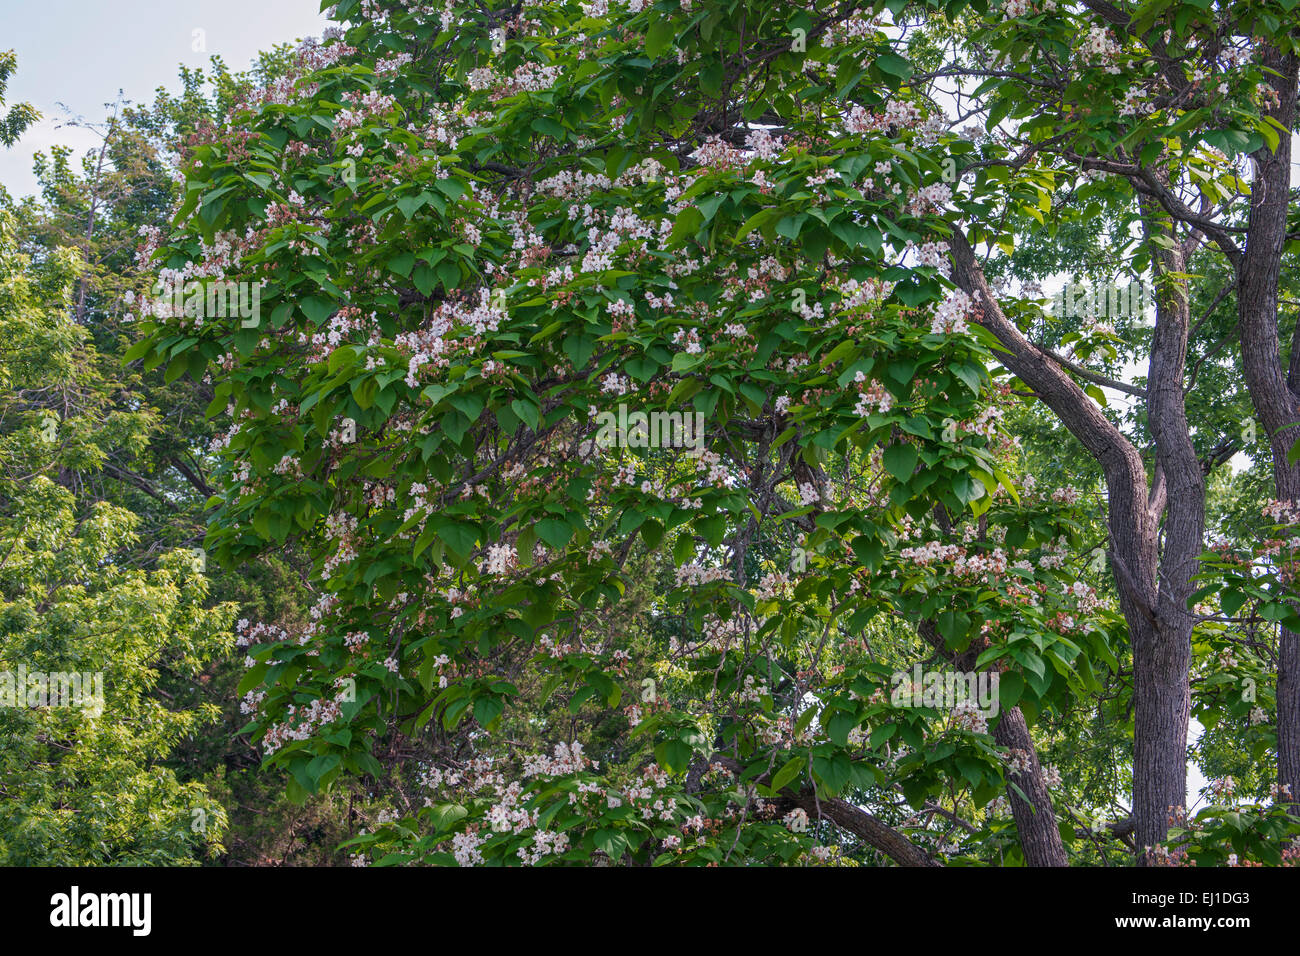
(402, 264)
(1011, 686)
(554, 532)
(460, 537)
(449, 275)
(789, 226)
(488, 709)
(1231, 601)
(673, 755)
(660, 36)
(683, 549)
(410, 205)
(882, 734)
(528, 413)
(894, 65)
(548, 127)
(839, 726)
(687, 223)
(900, 461)
(317, 309)
(1293, 455)
(788, 772)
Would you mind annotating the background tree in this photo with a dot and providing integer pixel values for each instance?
(20, 115)
(84, 780)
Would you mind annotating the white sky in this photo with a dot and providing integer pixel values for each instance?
(81, 52)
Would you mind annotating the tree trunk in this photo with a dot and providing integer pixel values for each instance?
(1040, 838)
(1152, 591)
(1273, 390)
(1160, 713)
(1162, 646)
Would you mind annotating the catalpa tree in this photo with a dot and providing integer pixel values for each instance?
(479, 234)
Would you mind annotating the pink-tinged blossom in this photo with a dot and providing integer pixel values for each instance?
(501, 559)
(928, 199)
(1099, 47)
(951, 314)
(873, 398)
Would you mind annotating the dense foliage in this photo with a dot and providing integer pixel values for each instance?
(607, 416)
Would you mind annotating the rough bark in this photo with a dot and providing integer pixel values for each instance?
(1162, 652)
(1040, 838)
(1274, 391)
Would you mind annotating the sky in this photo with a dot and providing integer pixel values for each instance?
(81, 52)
